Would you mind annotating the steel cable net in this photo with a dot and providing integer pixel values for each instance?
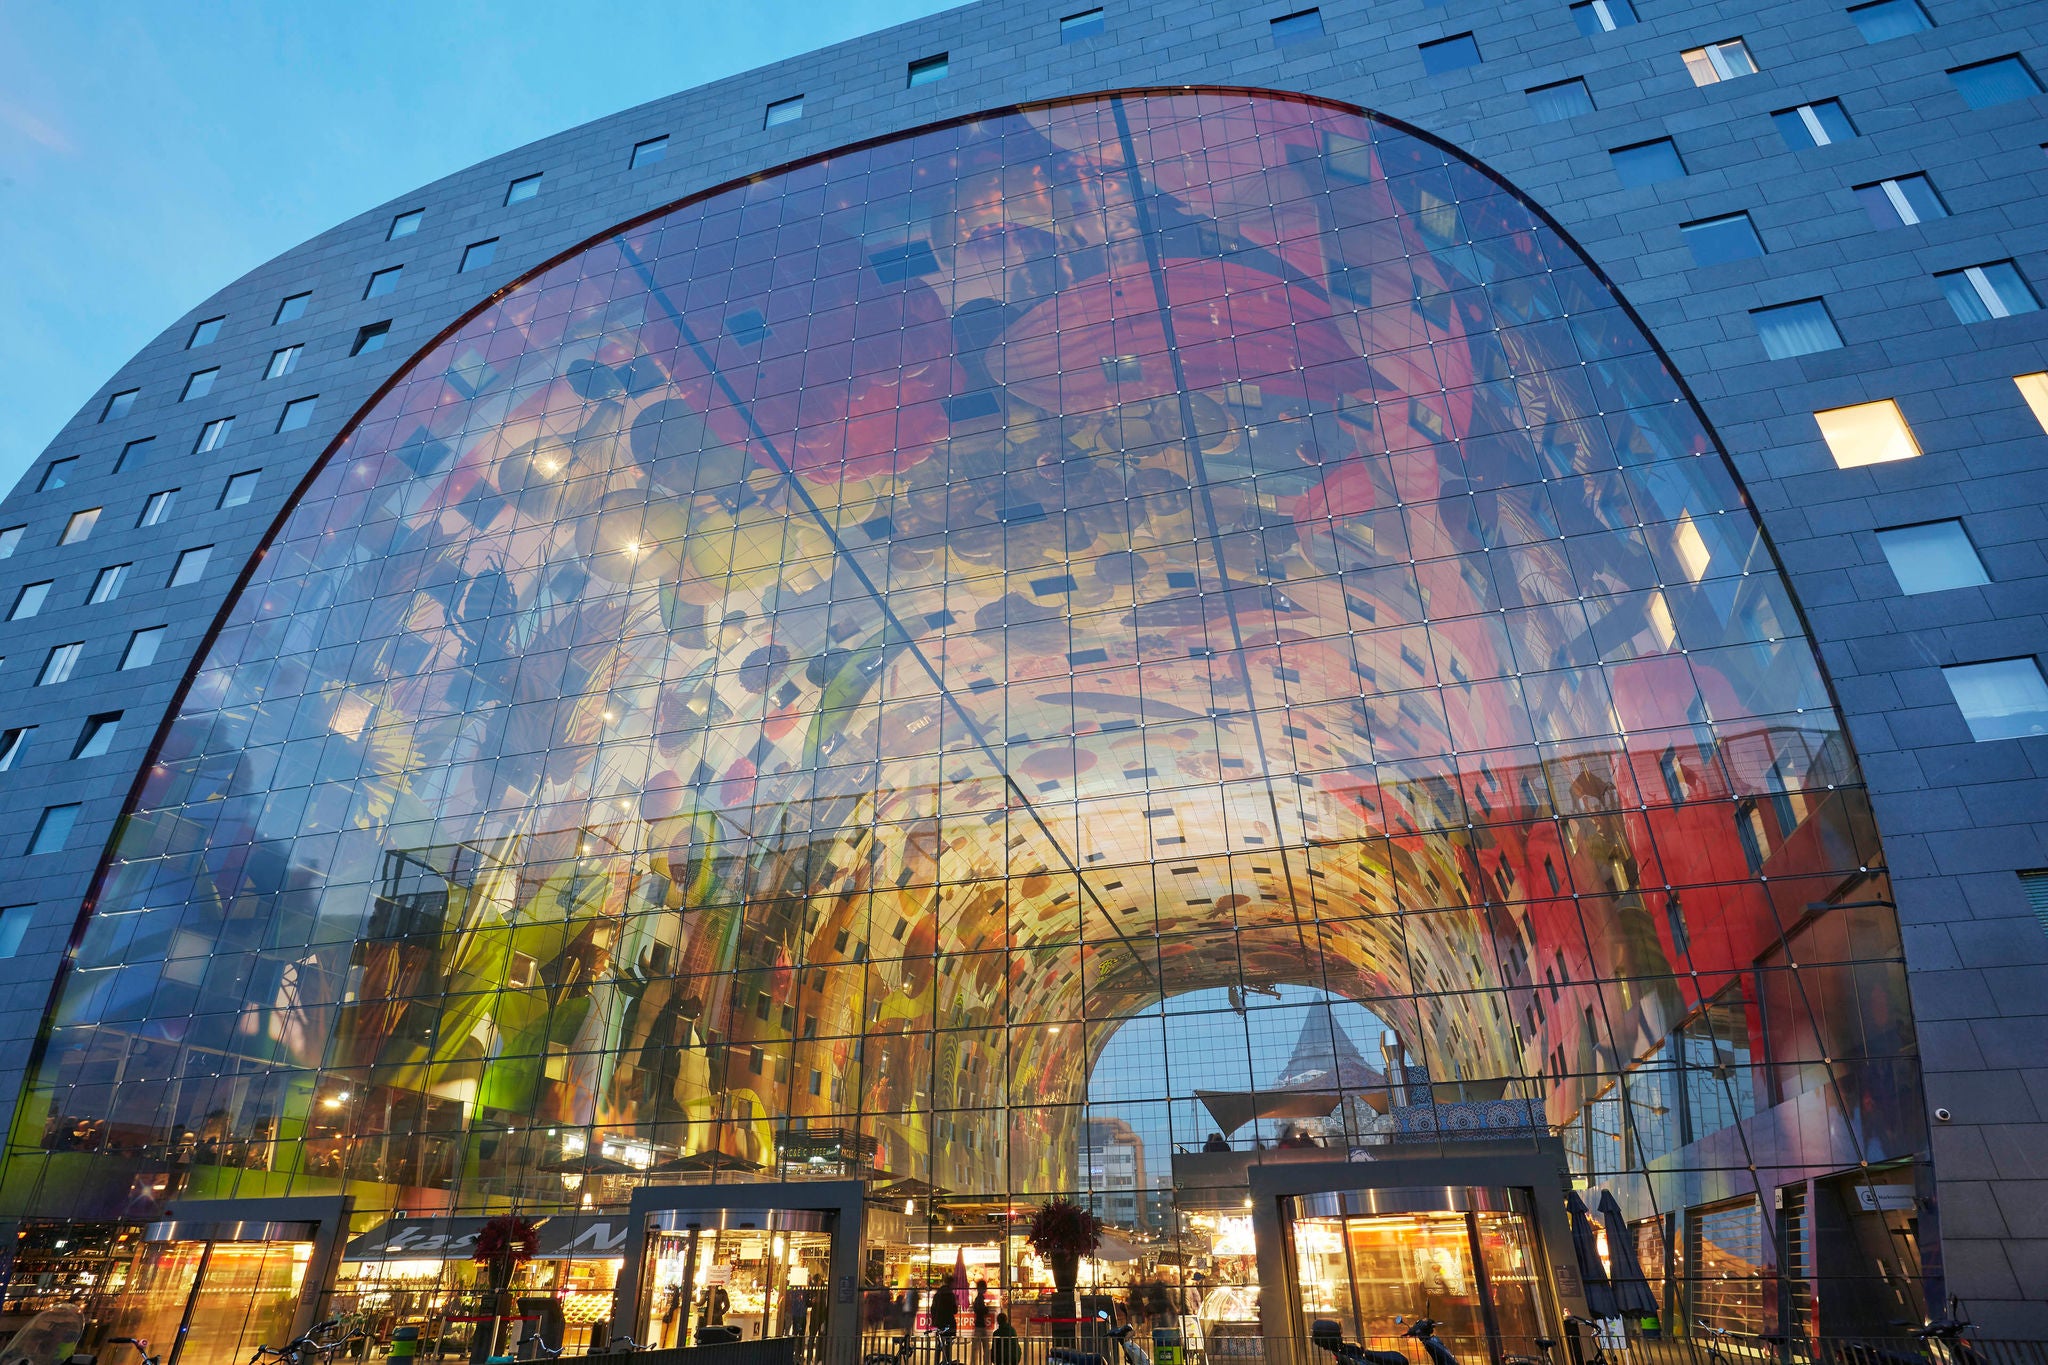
(825, 659)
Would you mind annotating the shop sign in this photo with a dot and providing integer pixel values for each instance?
(570, 1237)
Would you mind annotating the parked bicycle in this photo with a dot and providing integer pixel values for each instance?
(308, 1348)
(1328, 1334)
(906, 1349)
(1127, 1345)
(141, 1348)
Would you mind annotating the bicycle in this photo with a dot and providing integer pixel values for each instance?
(1328, 1334)
(1544, 1344)
(141, 1348)
(906, 1349)
(307, 1348)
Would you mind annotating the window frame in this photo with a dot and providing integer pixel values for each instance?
(405, 224)
(284, 360)
(304, 404)
(1075, 27)
(303, 299)
(1893, 561)
(117, 406)
(149, 637)
(107, 584)
(194, 341)
(523, 188)
(928, 70)
(647, 152)
(1301, 26)
(197, 557)
(1784, 309)
(472, 261)
(773, 115)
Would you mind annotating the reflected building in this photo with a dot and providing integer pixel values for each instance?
(1184, 623)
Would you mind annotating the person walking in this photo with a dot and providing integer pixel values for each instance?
(982, 1311)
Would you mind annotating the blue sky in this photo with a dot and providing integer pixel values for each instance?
(151, 152)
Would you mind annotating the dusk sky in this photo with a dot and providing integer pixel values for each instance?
(150, 154)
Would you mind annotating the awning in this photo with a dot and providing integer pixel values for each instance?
(1233, 1109)
(563, 1237)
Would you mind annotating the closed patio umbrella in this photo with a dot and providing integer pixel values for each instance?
(1586, 1247)
(1632, 1293)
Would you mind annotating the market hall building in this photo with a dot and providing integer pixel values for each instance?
(1332, 632)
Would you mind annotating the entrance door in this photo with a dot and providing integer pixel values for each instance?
(763, 1274)
(212, 1302)
(1377, 1260)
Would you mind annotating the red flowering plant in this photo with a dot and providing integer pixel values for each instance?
(1063, 1232)
(504, 1244)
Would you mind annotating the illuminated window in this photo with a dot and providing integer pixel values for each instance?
(1886, 19)
(1980, 293)
(648, 152)
(205, 333)
(79, 526)
(405, 224)
(1904, 201)
(1646, 163)
(1075, 28)
(2001, 699)
(30, 600)
(142, 647)
(477, 255)
(926, 70)
(1794, 329)
(2034, 388)
(53, 829)
(1932, 557)
(118, 406)
(1717, 62)
(1560, 100)
(1602, 16)
(1867, 433)
(1299, 27)
(291, 308)
(282, 362)
(522, 189)
(784, 111)
(1998, 81)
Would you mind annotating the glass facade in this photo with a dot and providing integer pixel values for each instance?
(978, 662)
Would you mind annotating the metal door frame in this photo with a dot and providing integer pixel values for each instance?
(260, 1220)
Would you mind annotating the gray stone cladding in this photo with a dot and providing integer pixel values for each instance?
(1959, 819)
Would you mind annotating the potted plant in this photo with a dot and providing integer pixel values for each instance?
(1063, 1232)
(503, 1244)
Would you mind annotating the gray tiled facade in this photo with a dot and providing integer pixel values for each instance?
(1959, 819)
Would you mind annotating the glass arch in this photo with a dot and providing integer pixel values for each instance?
(820, 660)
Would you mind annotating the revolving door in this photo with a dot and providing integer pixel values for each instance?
(1376, 1260)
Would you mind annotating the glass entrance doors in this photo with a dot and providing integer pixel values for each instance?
(1377, 1260)
(760, 1274)
(212, 1301)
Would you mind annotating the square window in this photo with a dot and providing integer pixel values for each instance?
(925, 70)
(30, 600)
(1646, 163)
(297, 413)
(1884, 19)
(1602, 16)
(213, 435)
(205, 333)
(1980, 293)
(1557, 102)
(522, 189)
(1867, 433)
(58, 664)
(2034, 388)
(2001, 699)
(1454, 53)
(1998, 81)
(784, 111)
(1716, 62)
(58, 474)
(142, 647)
(383, 282)
(199, 385)
(370, 338)
(14, 921)
(1932, 557)
(156, 508)
(1820, 124)
(98, 735)
(79, 526)
(191, 566)
(405, 225)
(1716, 240)
(292, 308)
(477, 255)
(118, 405)
(53, 829)
(648, 152)
(240, 488)
(282, 362)
(135, 455)
(1077, 27)
(107, 584)
(1299, 27)
(1905, 201)
(13, 744)
(10, 540)
(1794, 329)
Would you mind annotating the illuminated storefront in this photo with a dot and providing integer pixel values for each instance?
(790, 689)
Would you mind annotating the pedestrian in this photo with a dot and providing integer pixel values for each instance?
(1007, 1349)
(982, 1311)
